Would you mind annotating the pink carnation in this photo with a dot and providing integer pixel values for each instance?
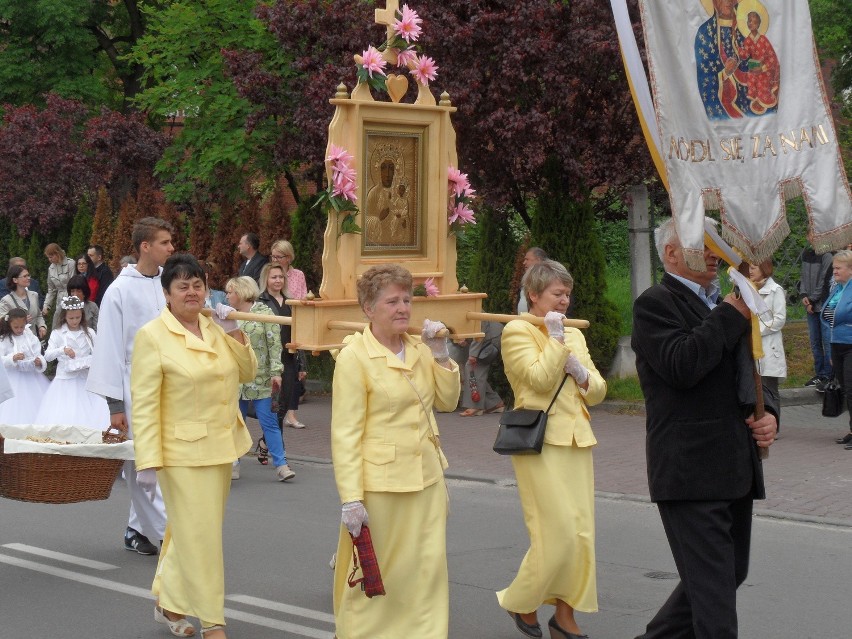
(373, 61)
(405, 57)
(339, 156)
(458, 181)
(408, 26)
(462, 214)
(424, 69)
(345, 189)
(431, 287)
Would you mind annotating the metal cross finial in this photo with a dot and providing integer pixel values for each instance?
(387, 15)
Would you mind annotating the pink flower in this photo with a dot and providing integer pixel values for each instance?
(338, 155)
(345, 189)
(458, 181)
(343, 172)
(462, 214)
(431, 287)
(408, 26)
(405, 57)
(424, 69)
(373, 61)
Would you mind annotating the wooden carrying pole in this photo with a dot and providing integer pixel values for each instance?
(537, 321)
(253, 317)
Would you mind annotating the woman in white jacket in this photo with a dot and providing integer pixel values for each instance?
(773, 365)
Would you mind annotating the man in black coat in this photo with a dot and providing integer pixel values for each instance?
(254, 263)
(695, 368)
(102, 271)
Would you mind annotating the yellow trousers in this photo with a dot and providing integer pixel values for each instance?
(409, 532)
(190, 576)
(558, 500)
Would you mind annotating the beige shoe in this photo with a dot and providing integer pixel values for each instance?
(296, 424)
(284, 473)
(235, 470)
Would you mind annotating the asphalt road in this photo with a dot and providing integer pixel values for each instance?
(64, 572)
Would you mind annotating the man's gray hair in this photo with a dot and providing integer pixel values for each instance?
(666, 233)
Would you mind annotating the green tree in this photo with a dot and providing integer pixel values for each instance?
(308, 227)
(81, 230)
(565, 228)
(74, 48)
(184, 72)
(490, 270)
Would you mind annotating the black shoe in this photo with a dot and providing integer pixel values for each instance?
(556, 631)
(136, 541)
(848, 446)
(821, 384)
(530, 630)
(846, 439)
(262, 451)
(813, 380)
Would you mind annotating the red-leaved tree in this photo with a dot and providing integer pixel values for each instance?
(44, 170)
(533, 81)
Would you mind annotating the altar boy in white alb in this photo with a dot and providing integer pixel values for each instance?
(132, 300)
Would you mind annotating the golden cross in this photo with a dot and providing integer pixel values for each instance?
(387, 16)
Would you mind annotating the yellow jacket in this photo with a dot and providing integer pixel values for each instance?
(534, 366)
(380, 439)
(184, 393)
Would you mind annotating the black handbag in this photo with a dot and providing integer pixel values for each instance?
(833, 400)
(521, 431)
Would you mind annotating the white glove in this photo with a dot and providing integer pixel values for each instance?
(220, 316)
(553, 324)
(438, 345)
(353, 516)
(576, 370)
(147, 481)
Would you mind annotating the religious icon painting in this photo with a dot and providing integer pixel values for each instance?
(737, 67)
(393, 207)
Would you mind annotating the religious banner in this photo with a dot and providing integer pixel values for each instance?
(744, 123)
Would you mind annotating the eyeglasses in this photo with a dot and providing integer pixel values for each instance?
(278, 258)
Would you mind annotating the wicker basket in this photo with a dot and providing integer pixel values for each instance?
(58, 479)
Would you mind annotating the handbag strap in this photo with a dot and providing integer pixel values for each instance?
(557, 393)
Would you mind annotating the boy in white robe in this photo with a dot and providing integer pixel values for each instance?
(132, 300)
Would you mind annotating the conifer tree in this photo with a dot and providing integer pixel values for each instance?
(276, 223)
(201, 232)
(122, 243)
(491, 272)
(81, 230)
(223, 251)
(307, 239)
(102, 224)
(564, 227)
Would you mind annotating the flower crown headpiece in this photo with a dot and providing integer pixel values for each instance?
(72, 303)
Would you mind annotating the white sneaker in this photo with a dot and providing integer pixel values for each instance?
(235, 470)
(333, 562)
(284, 473)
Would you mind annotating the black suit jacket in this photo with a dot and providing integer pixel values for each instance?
(253, 267)
(104, 277)
(694, 366)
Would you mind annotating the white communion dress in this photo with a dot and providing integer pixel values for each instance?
(25, 377)
(67, 401)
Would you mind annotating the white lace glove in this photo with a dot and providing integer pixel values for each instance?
(220, 316)
(147, 481)
(576, 370)
(438, 345)
(553, 324)
(353, 516)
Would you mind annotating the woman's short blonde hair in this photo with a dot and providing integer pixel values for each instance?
(245, 288)
(542, 275)
(54, 249)
(283, 246)
(843, 257)
(377, 278)
(264, 276)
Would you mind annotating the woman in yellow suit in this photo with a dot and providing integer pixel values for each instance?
(388, 464)
(184, 381)
(556, 487)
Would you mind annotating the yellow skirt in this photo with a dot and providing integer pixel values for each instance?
(409, 532)
(558, 499)
(190, 576)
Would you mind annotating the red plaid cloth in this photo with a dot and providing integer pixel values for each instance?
(362, 549)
